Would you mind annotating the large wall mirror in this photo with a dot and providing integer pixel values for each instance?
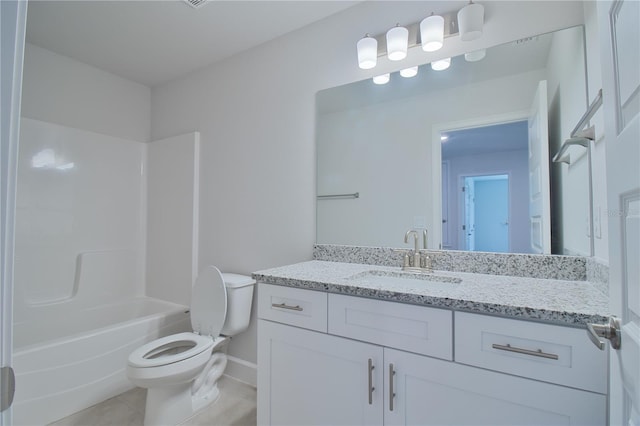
(464, 153)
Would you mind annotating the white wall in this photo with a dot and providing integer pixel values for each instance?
(172, 217)
(566, 95)
(58, 89)
(255, 112)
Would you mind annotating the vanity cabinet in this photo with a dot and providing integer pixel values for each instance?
(381, 362)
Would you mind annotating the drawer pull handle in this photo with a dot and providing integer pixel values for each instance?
(391, 393)
(510, 348)
(285, 306)
(370, 368)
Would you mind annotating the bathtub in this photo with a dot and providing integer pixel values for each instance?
(67, 361)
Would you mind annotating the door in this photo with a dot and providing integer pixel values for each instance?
(310, 378)
(469, 227)
(13, 15)
(619, 39)
(487, 197)
(539, 192)
(425, 391)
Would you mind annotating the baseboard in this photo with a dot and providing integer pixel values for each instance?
(241, 370)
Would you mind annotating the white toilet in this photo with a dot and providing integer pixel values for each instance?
(181, 371)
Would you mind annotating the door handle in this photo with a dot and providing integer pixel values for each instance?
(8, 385)
(610, 331)
(370, 368)
(391, 393)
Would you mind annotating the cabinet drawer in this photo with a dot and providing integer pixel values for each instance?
(412, 328)
(545, 352)
(302, 308)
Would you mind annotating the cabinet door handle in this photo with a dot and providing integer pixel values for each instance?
(391, 393)
(370, 368)
(285, 306)
(510, 348)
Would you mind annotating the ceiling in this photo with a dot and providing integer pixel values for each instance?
(487, 139)
(152, 42)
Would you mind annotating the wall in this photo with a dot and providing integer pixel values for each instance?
(172, 217)
(58, 89)
(387, 158)
(566, 84)
(255, 112)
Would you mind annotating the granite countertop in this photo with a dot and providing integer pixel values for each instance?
(565, 302)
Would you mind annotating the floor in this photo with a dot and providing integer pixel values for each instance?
(236, 406)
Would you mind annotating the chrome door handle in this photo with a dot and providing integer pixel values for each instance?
(285, 306)
(391, 393)
(8, 387)
(537, 353)
(610, 331)
(370, 368)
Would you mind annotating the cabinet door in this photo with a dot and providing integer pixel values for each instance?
(310, 378)
(434, 392)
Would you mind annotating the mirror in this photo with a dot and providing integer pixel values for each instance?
(407, 155)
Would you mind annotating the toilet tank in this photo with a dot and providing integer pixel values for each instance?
(239, 299)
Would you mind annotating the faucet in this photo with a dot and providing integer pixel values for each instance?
(416, 251)
(420, 263)
(415, 238)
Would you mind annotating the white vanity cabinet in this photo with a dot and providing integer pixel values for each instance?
(381, 362)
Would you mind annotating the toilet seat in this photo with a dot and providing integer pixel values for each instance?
(170, 349)
(208, 314)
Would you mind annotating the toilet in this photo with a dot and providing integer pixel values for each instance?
(181, 371)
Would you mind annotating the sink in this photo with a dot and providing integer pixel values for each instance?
(404, 278)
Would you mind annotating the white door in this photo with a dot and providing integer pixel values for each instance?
(620, 55)
(310, 378)
(539, 192)
(13, 15)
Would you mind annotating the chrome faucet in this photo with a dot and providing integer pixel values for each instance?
(418, 262)
(415, 238)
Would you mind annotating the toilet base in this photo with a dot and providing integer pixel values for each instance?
(173, 404)
(168, 405)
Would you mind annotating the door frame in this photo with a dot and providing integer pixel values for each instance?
(14, 20)
(435, 233)
(462, 205)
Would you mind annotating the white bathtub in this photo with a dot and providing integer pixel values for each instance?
(67, 361)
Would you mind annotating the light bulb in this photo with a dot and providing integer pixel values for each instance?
(381, 79)
(409, 72)
(367, 52)
(441, 64)
(471, 21)
(397, 43)
(432, 33)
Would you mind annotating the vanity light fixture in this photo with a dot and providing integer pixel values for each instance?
(475, 56)
(367, 52)
(397, 43)
(471, 21)
(409, 72)
(428, 33)
(441, 64)
(432, 33)
(381, 79)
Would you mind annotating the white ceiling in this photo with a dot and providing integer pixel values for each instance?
(152, 42)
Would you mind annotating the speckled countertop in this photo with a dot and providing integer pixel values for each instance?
(565, 302)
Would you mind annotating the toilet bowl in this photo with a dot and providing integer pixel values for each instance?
(181, 371)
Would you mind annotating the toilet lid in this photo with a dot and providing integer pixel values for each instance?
(208, 302)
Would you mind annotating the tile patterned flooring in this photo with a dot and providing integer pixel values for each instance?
(236, 406)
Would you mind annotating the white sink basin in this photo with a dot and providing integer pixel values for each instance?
(395, 279)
